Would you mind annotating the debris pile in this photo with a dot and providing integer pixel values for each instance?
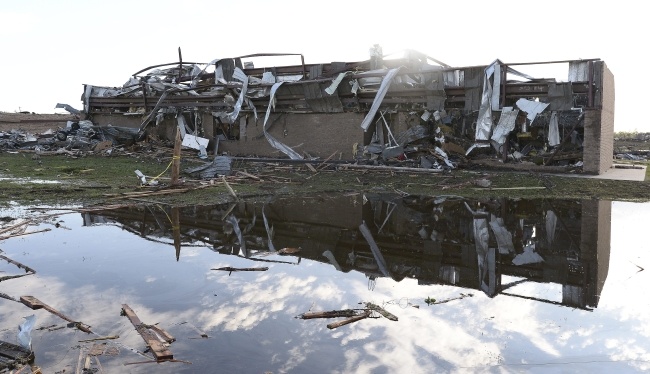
(410, 111)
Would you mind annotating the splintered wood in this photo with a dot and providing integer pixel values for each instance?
(150, 335)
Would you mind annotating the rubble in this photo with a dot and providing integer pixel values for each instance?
(14, 356)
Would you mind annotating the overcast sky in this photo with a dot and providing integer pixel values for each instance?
(50, 48)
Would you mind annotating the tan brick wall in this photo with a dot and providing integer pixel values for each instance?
(599, 128)
(591, 144)
(607, 120)
(318, 134)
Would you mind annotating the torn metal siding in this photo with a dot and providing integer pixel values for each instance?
(473, 78)
(560, 96)
(321, 101)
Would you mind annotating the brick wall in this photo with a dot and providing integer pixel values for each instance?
(599, 125)
(318, 134)
(595, 244)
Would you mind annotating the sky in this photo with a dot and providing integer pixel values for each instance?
(51, 49)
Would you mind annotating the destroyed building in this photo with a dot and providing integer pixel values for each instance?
(409, 108)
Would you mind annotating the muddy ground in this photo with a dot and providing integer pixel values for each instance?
(100, 179)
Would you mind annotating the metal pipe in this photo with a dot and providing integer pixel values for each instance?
(590, 92)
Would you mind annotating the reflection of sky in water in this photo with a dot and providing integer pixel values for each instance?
(88, 272)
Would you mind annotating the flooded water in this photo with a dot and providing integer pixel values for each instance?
(476, 285)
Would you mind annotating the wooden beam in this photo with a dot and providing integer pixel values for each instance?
(34, 303)
(330, 314)
(348, 321)
(159, 350)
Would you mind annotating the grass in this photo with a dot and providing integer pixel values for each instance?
(91, 179)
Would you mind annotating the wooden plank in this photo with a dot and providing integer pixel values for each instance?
(348, 321)
(34, 303)
(130, 314)
(329, 314)
(159, 351)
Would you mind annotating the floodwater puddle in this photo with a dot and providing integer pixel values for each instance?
(400, 283)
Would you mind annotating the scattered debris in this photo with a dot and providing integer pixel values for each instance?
(381, 311)
(352, 315)
(14, 356)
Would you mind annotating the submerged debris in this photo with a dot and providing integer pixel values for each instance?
(14, 356)
(352, 315)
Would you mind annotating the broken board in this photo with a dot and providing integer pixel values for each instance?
(158, 349)
(35, 303)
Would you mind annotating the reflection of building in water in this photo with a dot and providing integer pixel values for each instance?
(489, 245)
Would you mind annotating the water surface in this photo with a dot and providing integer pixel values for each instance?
(519, 285)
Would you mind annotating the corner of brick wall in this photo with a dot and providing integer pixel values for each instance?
(598, 154)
